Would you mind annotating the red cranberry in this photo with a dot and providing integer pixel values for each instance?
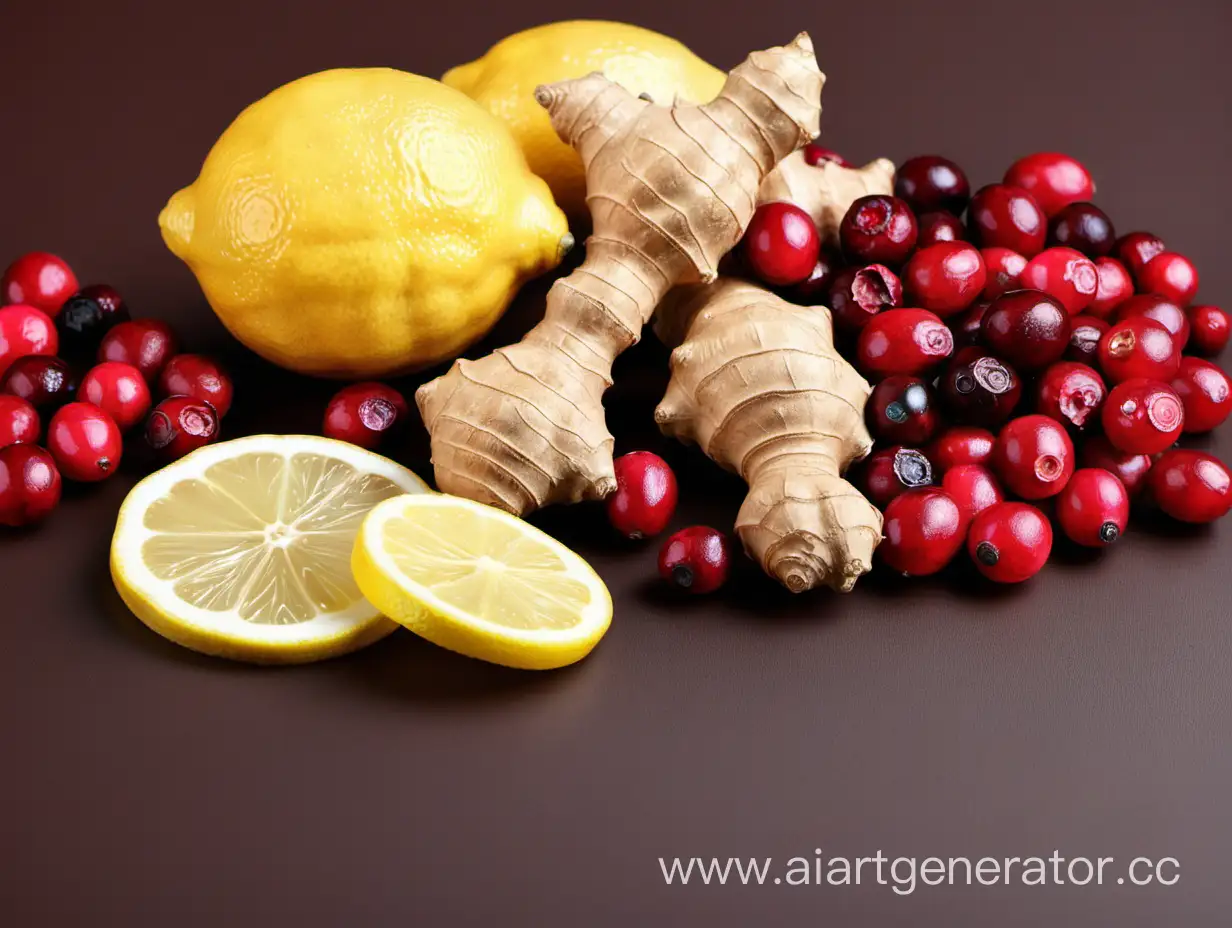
(973, 488)
(645, 496)
(980, 389)
(118, 390)
(1084, 335)
(1209, 329)
(923, 531)
(199, 377)
(29, 485)
(178, 425)
(365, 414)
(695, 559)
(1205, 392)
(1170, 275)
(1028, 328)
(891, 471)
(945, 278)
(940, 227)
(19, 421)
(1093, 509)
(1003, 269)
(1034, 457)
(878, 230)
(25, 331)
(967, 328)
(38, 279)
(45, 383)
(1084, 227)
(1191, 486)
(1142, 416)
(1055, 180)
(1007, 217)
(146, 344)
(1114, 288)
(1135, 249)
(85, 442)
(1130, 469)
(1163, 311)
(960, 445)
(1065, 274)
(1071, 393)
(816, 156)
(781, 245)
(87, 316)
(903, 341)
(930, 182)
(902, 409)
(815, 289)
(1010, 542)
(1138, 347)
(859, 293)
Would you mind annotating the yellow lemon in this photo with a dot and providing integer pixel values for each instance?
(642, 61)
(364, 222)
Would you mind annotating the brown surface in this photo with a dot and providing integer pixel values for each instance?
(1087, 711)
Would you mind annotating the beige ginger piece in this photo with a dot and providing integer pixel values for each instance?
(670, 191)
(758, 386)
(827, 190)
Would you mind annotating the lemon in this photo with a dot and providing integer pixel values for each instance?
(640, 60)
(362, 223)
(242, 549)
(480, 582)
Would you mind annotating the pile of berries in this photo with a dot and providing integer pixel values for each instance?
(1023, 354)
(54, 426)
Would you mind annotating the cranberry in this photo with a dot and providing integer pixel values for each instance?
(1084, 335)
(178, 425)
(1209, 329)
(960, 445)
(1093, 509)
(19, 421)
(29, 485)
(930, 182)
(1055, 180)
(85, 442)
(940, 227)
(903, 341)
(923, 531)
(781, 245)
(980, 389)
(24, 331)
(1034, 457)
(859, 293)
(1205, 392)
(1137, 248)
(38, 279)
(1142, 416)
(878, 230)
(1170, 275)
(695, 559)
(1071, 393)
(1064, 274)
(1114, 288)
(87, 316)
(902, 409)
(815, 288)
(1138, 347)
(816, 156)
(1130, 469)
(1003, 269)
(973, 488)
(45, 383)
(1007, 217)
(1029, 328)
(891, 471)
(365, 414)
(1191, 486)
(1163, 311)
(1010, 542)
(118, 390)
(146, 344)
(968, 328)
(1084, 227)
(945, 278)
(199, 377)
(645, 496)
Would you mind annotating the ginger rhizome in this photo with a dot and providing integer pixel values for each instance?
(758, 385)
(827, 190)
(670, 191)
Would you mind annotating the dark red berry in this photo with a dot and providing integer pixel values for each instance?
(878, 230)
(1130, 469)
(859, 293)
(1167, 313)
(891, 471)
(814, 290)
(902, 409)
(1170, 275)
(25, 331)
(1034, 457)
(815, 156)
(1093, 509)
(146, 344)
(1054, 179)
(945, 278)
(1205, 392)
(1084, 335)
(695, 559)
(931, 182)
(923, 531)
(973, 487)
(1003, 271)
(939, 226)
(961, 444)
(85, 442)
(1114, 288)
(1007, 217)
(199, 377)
(1084, 227)
(365, 414)
(1135, 249)
(645, 496)
(1027, 328)
(178, 425)
(980, 389)
(1138, 347)
(1209, 330)
(45, 383)
(1010, 542)
(1142, 416)
(1071, 393)
(19, 421)
(87, 316)
(1064, 274)
(903, 341)
(118, 390)
(781, 245)
(38, 279)
(968, 328)
(1191, 486)
(29, 485)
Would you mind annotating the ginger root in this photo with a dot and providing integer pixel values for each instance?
(670, 191)
(758, 386)
(826, 191)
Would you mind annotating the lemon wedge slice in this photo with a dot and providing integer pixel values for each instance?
(242, 549)
(480, 582)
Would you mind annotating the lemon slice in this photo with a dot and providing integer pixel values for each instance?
(481, 582)
(242, 549)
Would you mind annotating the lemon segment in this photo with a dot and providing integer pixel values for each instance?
(481, 582)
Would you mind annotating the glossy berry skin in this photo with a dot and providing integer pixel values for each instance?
(1084, 227)
(967, 328)
(1135, 249)
(45, 383)
(1167, 313)
(1093, 509)
(1205, 392)
(903, 409)
(1209, 329)
(1027, 328)
(980, 389)
(1003, 269)
(1084, 335)
(87, 316)
(118, 390)
(365, 414)
(197, 376)
(931, 182)
(29, 485)
(945, 278)
(1142, 416)
(1010, 542)
(815, 156)
(146, 344)
(890, 472)
(695, 559)
(19, 421)
(38, 279)
(860, 293)
(973, 487)
(939, 226)
(85, 442)
(923, 531)
(903, 341)
(645, 496)
(24, 331)
(1071, 393)
(1114, 287)
(1191, 486)
(1172, 275)
(781, 245)
(1007, 217)
(959, 445)
(1138, 347)
(815, 289)
(178, 425)
(1064, 274)
(878, 230)
(1130, 469)
(1054, 179)
(1034, 457)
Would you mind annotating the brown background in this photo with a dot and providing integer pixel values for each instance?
(1086, 711)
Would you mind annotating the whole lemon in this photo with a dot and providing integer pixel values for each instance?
(363, 222)
(642, 61)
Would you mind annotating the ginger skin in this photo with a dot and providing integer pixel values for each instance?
(758, 386)
(670, 191)
(826, 191)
